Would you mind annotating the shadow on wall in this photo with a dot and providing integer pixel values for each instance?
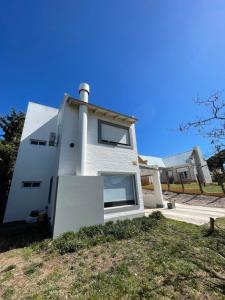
(34, 163)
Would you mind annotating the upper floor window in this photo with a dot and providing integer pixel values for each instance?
(114, 134)
(38, 142)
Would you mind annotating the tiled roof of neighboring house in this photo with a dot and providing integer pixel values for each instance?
(178, 159)
(153, 160)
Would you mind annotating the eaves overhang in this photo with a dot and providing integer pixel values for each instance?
(101, 111)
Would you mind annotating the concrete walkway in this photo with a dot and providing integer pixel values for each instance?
(198, 215)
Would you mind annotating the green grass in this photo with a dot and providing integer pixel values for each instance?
(147, 258)
(188, 187)
(208, 188)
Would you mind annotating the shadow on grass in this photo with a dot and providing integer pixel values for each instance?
(20, 234)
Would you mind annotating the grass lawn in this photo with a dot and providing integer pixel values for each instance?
(147, 258)
(209, 188)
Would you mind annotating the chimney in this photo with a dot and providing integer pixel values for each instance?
(84, 90)
(83, 120)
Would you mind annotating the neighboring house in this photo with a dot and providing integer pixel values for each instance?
(184, 166)
(79, 162)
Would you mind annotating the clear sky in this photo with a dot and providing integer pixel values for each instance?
(144, 58)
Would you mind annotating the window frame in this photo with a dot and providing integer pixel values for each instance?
(37, 142)
(124, 206)
(100, 141)
(32, 184)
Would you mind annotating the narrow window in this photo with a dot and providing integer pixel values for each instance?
(119, 190)
(113, 134)
(52, 139)
(31, 184)
(50, 190)
(37, 142)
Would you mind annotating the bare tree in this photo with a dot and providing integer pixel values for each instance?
(212, 126)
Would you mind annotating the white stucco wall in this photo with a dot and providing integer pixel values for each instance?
(34, 163)
(102, 158)
(76, 205)
(68, 133)
(202, 167)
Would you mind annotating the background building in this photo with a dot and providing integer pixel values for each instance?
(185, 166)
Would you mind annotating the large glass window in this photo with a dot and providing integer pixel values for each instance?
(113, 134)
(119, 190)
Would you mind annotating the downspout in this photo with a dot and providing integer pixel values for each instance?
(83, 119)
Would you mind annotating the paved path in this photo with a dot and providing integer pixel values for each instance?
(198, 215)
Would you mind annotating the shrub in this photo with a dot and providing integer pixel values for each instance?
(68, 243)
(92, 231)
(97, 234)
(157, 215)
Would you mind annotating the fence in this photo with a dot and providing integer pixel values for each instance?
(195, 188)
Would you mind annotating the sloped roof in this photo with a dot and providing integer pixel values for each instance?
(178, 159)
(170, 161)
(153, 160)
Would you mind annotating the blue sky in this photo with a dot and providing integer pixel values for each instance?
(144, 58)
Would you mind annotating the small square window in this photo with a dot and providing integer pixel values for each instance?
(30, 184)
(37, 142)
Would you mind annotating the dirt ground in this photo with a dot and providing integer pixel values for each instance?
(199, 200)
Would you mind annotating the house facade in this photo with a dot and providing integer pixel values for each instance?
(186, 166)
(79, 163)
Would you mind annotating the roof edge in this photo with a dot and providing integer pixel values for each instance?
(95, 108)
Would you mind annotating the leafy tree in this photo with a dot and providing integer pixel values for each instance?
(11, 126)
(217, 161)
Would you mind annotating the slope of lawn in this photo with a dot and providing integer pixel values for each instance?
(147, 258)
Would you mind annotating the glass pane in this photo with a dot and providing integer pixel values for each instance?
(27, 184)
(36, 184)
(118, 188)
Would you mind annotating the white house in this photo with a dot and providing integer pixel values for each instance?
(79, 162)
(186, 166)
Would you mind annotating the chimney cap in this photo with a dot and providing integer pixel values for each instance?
(85, 87)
